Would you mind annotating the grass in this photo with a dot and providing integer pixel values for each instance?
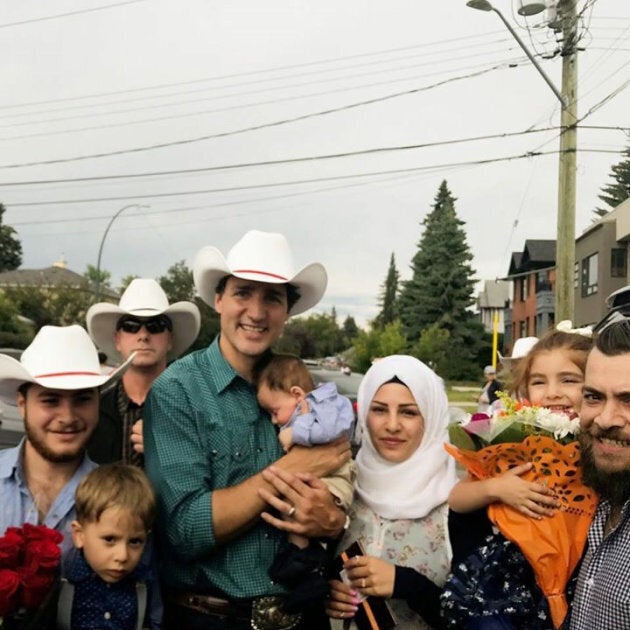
(463, 393)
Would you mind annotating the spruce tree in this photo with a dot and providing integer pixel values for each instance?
(613, 194)
(441, 288)
(10, 246)
(388, 299)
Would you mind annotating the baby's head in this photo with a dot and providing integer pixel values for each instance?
(115, 507)
(282, 384)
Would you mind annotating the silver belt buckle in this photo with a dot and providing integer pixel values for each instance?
(267, 614)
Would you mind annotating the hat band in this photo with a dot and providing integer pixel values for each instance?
(52, 374)
(261, 273)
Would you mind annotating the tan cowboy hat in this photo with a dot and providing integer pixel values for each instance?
(520, 350)
(59, 357)
(144, 297)
(264, 257)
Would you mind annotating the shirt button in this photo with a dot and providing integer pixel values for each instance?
(590, 582)
(107, 615)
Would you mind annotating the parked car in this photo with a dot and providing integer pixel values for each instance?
(11, 425)
(347, 385)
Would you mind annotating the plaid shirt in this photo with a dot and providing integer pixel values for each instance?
(204, 430)
(602, 597)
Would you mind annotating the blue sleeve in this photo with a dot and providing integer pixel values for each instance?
(327, 420)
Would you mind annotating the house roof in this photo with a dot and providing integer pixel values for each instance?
(495, 294)
(537, 254)
(49, 277)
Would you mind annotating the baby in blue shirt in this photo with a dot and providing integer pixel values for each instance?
(109, 582)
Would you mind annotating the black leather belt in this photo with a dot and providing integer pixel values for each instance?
(263, 613)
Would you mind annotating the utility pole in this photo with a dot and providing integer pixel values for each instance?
(565, 242)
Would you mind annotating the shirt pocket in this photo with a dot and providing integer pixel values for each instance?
(230, 456)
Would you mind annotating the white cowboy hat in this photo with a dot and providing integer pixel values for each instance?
(521, 349)
(144, 297)
(59, 357)
(260, 256)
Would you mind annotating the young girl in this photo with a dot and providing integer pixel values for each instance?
(550, 376)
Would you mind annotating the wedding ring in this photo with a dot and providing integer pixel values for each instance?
(291, 512)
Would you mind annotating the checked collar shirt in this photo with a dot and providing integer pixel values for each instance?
(203, 431)
(602, 597)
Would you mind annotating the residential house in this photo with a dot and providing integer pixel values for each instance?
(492, 302)
(533, 276)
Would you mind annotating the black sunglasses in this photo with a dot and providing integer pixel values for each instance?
(155, 325)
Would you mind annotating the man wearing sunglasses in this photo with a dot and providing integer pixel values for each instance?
(143, 323)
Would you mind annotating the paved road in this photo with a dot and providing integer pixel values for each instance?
(11, 428)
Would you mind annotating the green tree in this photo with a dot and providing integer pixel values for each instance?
(14, 333)
(432, 348)
(388, 299)
(619, 190)
(98, 280)
(350, 330)
(378, 342)
(179, 286)
(441, 288)
(10, 246)
(126, 281)
(315, 336)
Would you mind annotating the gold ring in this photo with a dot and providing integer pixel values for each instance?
(291, 512)
(363, 583)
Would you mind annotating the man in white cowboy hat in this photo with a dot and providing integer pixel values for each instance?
(144, 323)
(209, 446)
(56, 387)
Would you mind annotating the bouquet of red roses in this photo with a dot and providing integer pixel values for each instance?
(29, 561)
(520, 433)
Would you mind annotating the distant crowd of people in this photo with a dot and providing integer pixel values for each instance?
(218, 490)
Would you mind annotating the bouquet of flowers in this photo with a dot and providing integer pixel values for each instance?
(489, 446)
(29, 560)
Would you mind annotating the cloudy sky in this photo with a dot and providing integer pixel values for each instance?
(332, 122)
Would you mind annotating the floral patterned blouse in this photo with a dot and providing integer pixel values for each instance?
(420, 544)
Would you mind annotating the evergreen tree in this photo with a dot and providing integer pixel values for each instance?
(613, 194)
(388, 300)
(10, 246)
(441, 288)
(350, 330)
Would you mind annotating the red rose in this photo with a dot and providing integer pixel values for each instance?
(41, 532)
(9, 584)
(35, 587)
(44, 554)
(10, 548)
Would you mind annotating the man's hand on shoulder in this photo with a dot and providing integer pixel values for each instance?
(305, 502)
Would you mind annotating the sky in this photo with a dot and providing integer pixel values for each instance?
(331, 122)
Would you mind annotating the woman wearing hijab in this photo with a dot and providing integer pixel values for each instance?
(400, 514)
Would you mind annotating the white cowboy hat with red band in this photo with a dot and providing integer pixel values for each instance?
(59, 357)
(143, 298)
(263, 257)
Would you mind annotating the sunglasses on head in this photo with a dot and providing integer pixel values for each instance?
(155, 325)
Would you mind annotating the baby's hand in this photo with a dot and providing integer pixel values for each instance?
(303, 405)
(286, 439)
(528, 497)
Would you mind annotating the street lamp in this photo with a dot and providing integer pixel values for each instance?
(565, 235)
(97, 292)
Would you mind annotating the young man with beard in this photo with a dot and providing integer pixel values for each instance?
(143, 323)
(56, 386)
(602, 598)
(214, 457)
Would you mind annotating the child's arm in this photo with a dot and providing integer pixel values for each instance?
(533, 499)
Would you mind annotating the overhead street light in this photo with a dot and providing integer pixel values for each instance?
(565, 235)
(97, 292)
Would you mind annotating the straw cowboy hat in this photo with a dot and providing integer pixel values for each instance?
(260, 256)
(143, 298)
(520, 350)
(59, 357)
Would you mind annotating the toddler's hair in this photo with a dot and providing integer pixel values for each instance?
(115, 486)
(577, 347)
(284, 371)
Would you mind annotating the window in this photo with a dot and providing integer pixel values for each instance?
(618, 263)
(524, 288)
(589, 275)
(542, 281)
(576, 275)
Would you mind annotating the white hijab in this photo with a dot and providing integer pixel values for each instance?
(412, 488)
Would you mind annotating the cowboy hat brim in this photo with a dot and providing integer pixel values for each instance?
(13, 374)
(102, 318)
(210, 266)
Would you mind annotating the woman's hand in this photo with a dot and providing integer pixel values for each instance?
(370, 575)
(343, 601)
(528, 497)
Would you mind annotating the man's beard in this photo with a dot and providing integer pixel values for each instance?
(48, 454)
(612, 486)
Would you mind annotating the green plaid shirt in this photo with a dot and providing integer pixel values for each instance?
(203, 430)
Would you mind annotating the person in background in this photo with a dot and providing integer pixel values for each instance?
(105, 578)
(143, 323)
(56, 386)
(510, 364)
(488, 394)
(211, 450)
